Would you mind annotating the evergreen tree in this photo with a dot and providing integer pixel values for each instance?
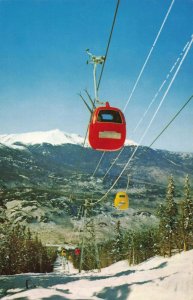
(168, 214)
(148, 243)
(89, 258)
(117, 247)
(19, 252)
(135, 245)
(142, 244)
(130, 245)
(105, 253)
(186, 217)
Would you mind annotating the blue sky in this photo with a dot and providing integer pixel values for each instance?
(43, 65)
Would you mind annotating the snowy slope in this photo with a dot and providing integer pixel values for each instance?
(54, 137)
(158, 278)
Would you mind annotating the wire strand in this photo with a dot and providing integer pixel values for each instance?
(98, 164)
(148, 56)
(108, 44)
(160, 88)
(100, 77)
(186, 103)
(187, 46)
(142, 70)
(151, 121)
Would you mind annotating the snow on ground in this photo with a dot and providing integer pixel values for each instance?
(158, 278)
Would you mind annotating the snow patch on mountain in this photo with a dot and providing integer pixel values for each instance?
(53, 137)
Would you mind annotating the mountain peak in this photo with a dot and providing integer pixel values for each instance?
(53, 137)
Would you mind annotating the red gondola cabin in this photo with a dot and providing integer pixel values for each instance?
(107, 129)
(77, 251)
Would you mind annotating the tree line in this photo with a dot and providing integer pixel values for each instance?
(21, 252)
(174, 233)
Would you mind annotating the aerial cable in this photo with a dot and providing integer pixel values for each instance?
(146, 182)
(180, 55)
(167, 90)
(102, 69)
(128, 182)
(144, 65)
(148, 56)
(151, 121)
(108, 44)
(172, 68)
(113, 163)
(98, 164)
(160, 88)
(186, 103)
(93, 60)
(102, 59)
(154, 98)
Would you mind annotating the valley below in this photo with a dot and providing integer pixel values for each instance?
(46, 186)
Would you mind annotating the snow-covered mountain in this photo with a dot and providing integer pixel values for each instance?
(53, 137)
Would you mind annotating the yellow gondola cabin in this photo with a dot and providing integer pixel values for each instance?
(121, 201)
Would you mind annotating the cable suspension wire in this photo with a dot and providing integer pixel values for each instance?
(108, 44)
(146, 182)
(151, 121)
(168, 75)
(98, 164)
(96, 93)
(149, 54)
(167, 90)
(114, 161)
(102, 69)
(186, 103)
(128, 182)
(160, 88)
(142, 70)
(136, 127)
(106, 53)
(134, 130)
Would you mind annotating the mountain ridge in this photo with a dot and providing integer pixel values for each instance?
(53, 137)
(46, 185)
(40, 161)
